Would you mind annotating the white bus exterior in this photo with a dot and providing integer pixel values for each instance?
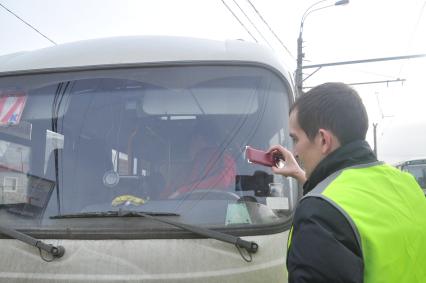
(105, 143)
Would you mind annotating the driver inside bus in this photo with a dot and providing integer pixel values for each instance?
(211, 166)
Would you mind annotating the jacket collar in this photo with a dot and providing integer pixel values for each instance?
(353, 153)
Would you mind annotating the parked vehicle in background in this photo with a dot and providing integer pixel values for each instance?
(125, 157)
(417, 168)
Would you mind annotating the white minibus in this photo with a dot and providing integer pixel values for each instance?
(122, 160)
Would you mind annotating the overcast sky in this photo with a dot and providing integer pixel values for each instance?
(363, 29)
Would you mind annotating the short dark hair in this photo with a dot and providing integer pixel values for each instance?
(333, 106)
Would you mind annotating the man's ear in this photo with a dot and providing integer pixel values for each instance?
(328, 141)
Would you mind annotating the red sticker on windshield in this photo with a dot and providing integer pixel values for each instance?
(11, 107)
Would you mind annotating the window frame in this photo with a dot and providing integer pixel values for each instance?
(166, 233)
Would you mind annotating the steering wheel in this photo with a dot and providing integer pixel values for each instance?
(208, 194)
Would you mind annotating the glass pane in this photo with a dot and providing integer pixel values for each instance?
(419, 172)
(166, 139)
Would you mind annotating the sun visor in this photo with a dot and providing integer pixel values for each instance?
(200, 101)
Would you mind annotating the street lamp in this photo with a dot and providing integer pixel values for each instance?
(300, 55)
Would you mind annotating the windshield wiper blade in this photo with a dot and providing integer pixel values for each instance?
(55, 251)
(250, 247)
(119, 213)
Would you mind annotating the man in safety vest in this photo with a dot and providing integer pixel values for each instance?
(359, 220)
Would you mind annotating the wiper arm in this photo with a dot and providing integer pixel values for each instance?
(55, 251)
(102, 214)
(250, 247)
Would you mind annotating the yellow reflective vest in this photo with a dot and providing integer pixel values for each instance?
(386, 209)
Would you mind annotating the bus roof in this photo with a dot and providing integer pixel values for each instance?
(138, 50)
(421, 161)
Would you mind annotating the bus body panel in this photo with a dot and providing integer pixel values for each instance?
(157, 260)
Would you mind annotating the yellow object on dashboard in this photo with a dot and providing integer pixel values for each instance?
(126, 200)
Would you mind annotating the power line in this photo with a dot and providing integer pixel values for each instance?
(271, 30)
(412, 36)
(22, 20)
(241, 23)
(368, 83)
(251, 22)
(369, 73)
(365, 61)
(379, 105)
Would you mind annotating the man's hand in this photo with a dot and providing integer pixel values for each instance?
(291, 168)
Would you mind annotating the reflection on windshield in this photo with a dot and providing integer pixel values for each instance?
(14, 164)
(161, 139)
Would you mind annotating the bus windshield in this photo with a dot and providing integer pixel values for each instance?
(419, 172)
(166, 139)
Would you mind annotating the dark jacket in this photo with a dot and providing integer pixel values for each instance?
(323, 246)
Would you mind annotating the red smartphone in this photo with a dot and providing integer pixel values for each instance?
(262, 157)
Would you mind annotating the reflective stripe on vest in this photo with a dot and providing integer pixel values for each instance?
(387, 212)
(290, 237)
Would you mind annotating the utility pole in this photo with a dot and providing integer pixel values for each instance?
(300, 54)
(299, 74)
